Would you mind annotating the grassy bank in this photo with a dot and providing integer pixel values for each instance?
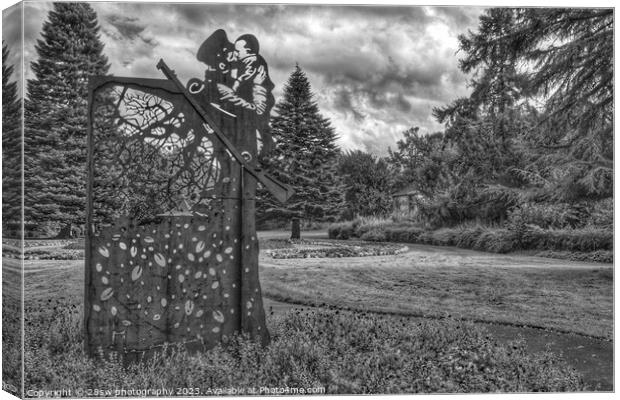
(597, 241)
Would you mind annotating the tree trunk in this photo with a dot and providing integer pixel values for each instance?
(295, 229)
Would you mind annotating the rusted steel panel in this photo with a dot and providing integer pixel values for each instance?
(172, 254)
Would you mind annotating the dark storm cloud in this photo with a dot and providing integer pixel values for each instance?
(343, 103)
(460, 17)
(128, 27)
(376, 70)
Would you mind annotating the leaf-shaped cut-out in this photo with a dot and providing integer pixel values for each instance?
(160, 259)
(218, 316)
(200, 246)
(207, 254)
(113, 310)
(133, 251)
(215, 285)
(199, 313)
(116, 237)
(228, 250)
(149, 240)
(96, 307)
(219, 258)
(163, 302)
(156, 317)
(136, 273)
(98, 267)
(190, 257)
(202, 228)
(189, 307)
(103, 251)
(106, 294)
(122, 245)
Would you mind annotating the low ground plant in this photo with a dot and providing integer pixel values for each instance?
(342, 352)
(514, 236)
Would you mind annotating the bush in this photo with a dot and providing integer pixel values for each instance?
(517, 235)
(346, 353)
(341, 230)
(600, 256)
(548, 216)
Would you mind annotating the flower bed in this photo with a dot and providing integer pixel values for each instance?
(315, 249)
(52, 254)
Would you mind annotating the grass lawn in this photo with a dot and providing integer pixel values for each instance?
(425, 281)
(560, 295)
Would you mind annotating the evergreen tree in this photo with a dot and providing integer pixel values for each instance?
(11, 144)
(368, 183)
(305, 157)
(56, 114)
(564, 57)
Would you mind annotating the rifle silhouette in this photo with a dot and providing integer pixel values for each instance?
(280, 191)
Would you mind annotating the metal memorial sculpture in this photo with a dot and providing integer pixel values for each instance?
(172, 253)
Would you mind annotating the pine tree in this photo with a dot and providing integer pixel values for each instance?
(56, 115)
(305, 157)
(564, 57)
(368, 183)
(11, 144)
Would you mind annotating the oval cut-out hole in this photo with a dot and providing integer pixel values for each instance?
(136, 273)
(103, 251)
(218, 316)
(189, 307)
(160, 259)
(106, 294)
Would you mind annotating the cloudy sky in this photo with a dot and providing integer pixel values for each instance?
(375, 70)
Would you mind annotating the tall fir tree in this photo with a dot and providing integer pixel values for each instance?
(56, 115)
(11, 143)
(305, 157)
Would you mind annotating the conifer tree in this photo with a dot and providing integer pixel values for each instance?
(305, 157)
(56, 114)
(11, 143)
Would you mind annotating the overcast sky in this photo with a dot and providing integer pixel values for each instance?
(375, 71)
